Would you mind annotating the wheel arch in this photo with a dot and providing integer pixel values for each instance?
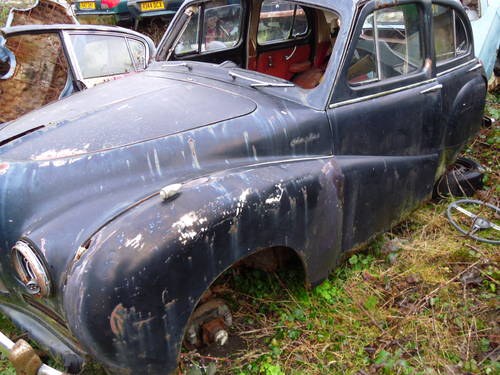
(144, 272)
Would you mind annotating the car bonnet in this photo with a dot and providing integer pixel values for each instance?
(117, 114)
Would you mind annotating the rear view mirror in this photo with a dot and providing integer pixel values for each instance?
(7, 61)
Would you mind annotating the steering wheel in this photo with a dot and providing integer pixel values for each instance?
(470, 217)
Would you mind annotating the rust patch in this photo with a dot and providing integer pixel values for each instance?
(117, 320)
(44, 13)
(3, 168)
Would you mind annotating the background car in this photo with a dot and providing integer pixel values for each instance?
(116, 8)
(140, 9)
(485, 21)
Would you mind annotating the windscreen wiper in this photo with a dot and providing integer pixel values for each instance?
(259, 83)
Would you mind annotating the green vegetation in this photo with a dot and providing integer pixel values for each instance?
(5, 6)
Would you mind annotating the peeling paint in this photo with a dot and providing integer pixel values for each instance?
(57, 154)
(276, 196)
(192, 147)
(185, 226)
(135, 242)
(302, 140)
(242, 200)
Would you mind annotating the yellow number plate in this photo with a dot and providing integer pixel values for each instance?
(152, 5)
(87, 5)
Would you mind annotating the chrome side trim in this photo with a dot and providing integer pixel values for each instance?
(432, 89)
(456, 67)
(379, 94)
(477, 66)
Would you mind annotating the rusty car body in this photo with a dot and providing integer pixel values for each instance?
(121, 205)
(50, 62)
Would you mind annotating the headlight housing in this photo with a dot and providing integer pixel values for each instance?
(30, 269)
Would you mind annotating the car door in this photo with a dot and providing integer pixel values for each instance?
(460, 74)
(385, 113)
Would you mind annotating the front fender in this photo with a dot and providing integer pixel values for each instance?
(130, 294)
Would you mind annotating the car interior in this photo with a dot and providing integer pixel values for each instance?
(284, 40)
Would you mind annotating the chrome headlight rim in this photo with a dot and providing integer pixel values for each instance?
(30, 268)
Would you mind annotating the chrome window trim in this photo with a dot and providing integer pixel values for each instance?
(380, 94)
(456, 57)
(456, 67)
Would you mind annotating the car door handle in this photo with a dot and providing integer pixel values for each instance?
(291, 55)
(432, 89)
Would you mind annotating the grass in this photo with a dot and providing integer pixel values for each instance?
(419, 299)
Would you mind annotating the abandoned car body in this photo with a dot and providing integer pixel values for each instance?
(50, 62)
(45, 63)
(257, 129)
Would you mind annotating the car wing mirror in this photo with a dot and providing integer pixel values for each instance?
(7, 60)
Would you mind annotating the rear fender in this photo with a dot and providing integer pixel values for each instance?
(129, 295)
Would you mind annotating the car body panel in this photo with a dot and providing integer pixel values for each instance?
(154, 98)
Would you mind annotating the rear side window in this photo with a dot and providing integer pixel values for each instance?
(450, 37)
(102, 55)
(138, 52)
(281, 21)
(390, 45)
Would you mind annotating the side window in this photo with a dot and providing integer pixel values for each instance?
(101, 55)
(390, 45)
(281, 21)
(41, 64)
(138, 52)
(221, 28)
(450, 37)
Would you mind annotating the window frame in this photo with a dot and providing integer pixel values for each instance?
(291, 37)
(200, 35)
(73, 59)
(342, 92)
(452, 62)
(382, 80)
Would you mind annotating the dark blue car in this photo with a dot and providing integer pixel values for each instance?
(263, 133)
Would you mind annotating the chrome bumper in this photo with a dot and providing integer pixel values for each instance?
(24, 358)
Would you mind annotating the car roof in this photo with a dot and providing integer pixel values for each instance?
(66, 27)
